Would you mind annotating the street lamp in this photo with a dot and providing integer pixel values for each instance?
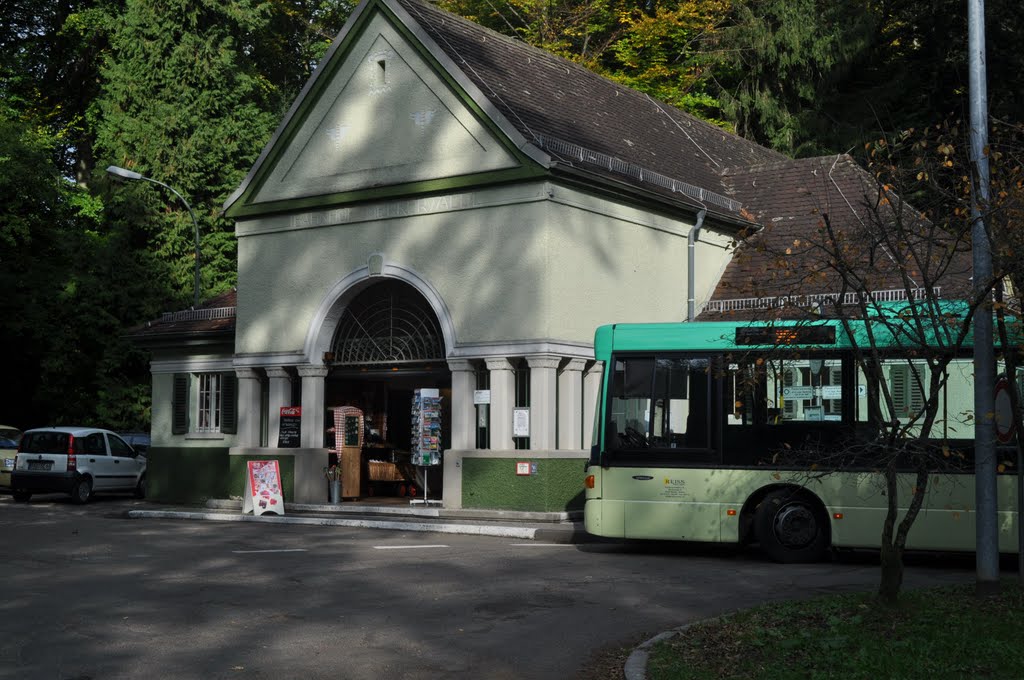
(129, 174)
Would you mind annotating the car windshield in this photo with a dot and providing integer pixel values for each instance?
(45, 442)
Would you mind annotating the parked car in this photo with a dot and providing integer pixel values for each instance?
(9, 438)
(137, 440)
(78, 461)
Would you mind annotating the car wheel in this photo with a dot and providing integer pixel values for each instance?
(81, 491)
(140, 488)
(790, 527)
(21, 496)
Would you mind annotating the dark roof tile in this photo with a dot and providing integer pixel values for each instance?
(547, 97)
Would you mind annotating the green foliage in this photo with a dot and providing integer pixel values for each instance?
(183, 92)
(786, 56)
(665, 49)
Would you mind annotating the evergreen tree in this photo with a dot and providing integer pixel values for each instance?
(787, 56)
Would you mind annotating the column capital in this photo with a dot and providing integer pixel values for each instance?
(247, 374)
(595, 368)
(574, 365)
(543, 360)
(277, 372)
(461, 365)
(313, 371)
(498, 364)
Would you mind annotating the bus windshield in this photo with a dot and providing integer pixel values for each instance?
(659, 402)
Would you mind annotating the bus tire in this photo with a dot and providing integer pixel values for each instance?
(791, 527)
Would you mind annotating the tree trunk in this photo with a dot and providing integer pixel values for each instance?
(892, 574)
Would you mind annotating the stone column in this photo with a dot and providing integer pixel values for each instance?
(312, 405)
(591, 393)
(543, 388)
(248, 407)
(570, 404)
(280, 394)
(463, 411)
(502, 400)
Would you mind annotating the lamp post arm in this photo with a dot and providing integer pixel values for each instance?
(134, 175)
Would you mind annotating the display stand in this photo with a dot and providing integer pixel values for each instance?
(426, 436)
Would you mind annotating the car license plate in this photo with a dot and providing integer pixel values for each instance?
(40, 465)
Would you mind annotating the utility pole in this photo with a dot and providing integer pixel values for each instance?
(987, 555)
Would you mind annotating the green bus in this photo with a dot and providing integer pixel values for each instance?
(751, 433)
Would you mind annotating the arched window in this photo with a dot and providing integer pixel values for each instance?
(389, 323)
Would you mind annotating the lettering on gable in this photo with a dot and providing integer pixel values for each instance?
(319, 219)
(420, 206)
(424, 206)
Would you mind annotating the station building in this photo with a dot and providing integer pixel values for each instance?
(446, 208)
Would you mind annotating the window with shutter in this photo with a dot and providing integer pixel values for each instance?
(229, 403)
(790, 378)
(179, 404)
(906, 383)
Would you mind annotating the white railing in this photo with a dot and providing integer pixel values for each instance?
(199, 314)
(816, 299)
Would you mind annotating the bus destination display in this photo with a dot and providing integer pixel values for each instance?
(785, 335)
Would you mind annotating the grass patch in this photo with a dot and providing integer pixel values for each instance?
(935, 633)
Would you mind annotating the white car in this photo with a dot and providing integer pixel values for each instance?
(9, 437)
(78, 461)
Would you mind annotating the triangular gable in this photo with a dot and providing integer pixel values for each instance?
(386, 113)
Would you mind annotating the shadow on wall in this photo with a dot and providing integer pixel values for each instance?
(187, 475)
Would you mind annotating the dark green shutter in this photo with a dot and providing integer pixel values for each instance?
(229, 403)
(179, 404)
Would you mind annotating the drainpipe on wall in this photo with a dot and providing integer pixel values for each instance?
(691, 257)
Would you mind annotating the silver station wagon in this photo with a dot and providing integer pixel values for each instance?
(78, 461)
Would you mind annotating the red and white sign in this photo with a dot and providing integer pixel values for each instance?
(523, 468)
(1004, 412)
(263, 488)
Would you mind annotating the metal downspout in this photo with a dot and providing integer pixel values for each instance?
(691, 258)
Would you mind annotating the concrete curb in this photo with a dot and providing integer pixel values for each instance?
(525, 533)
(636, 664)
(356, 507)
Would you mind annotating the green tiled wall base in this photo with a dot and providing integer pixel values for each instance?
(492, 483)
(194, 475)
(186, 475)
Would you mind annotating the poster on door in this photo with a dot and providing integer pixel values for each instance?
(263, 492)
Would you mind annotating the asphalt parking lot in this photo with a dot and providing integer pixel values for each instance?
(91, 594)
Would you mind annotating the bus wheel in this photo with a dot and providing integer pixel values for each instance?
(790, 527)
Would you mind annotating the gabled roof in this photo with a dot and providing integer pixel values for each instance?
(557, 104)
(790, 199)
(572, 122)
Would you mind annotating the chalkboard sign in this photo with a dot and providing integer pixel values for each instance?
(351, 431)
(290, 435)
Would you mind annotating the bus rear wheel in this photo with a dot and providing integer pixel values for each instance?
(790, 527)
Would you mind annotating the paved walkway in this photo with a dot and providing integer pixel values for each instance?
(547, 527)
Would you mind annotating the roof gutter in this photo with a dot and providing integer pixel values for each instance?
(583, 177)
(691, 260)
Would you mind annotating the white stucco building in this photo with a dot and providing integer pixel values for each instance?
(445, 208)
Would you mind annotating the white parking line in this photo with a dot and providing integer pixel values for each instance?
(282, 550)
(542, 545)
(406, 547)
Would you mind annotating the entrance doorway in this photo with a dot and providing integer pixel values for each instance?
(388, 345)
